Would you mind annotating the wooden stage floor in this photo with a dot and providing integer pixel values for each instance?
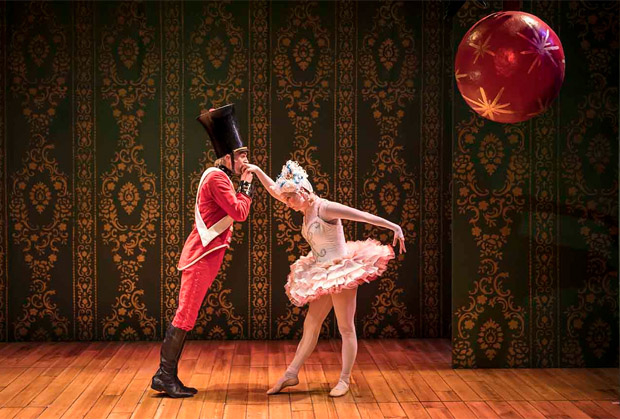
(392, 378)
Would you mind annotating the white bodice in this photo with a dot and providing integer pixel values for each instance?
(325, 239)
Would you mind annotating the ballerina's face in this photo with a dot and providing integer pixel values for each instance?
(296, 201)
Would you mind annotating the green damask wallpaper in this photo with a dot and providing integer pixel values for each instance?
(102, 156)
(511, 230)
(535, 205)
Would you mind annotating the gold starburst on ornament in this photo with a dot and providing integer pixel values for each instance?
(542, 107)
(482, 48)
(458, 75)
(541, 47)
(489, 109)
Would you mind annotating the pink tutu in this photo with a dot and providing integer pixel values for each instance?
(309, 280)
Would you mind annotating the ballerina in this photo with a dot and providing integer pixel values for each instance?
(330, 274)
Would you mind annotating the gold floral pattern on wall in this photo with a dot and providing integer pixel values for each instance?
(490, 204)
(102, 158)
(172, 184)
(259, 144)
(589, 186)
(217, 65)
(85, 179)
(128, 183)
(302, 96)
(4, 280)
(544, 254)
(346, 149)
(388, 94)
(40, 183)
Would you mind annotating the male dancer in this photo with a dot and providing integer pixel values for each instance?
(217, 206)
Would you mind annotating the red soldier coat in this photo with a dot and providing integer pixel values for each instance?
(216, 200)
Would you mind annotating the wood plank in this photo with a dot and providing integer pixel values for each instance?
(460, 387)
(9, 412)
(280, 410)
(191, 350)
(592, 409)
(192, 406)
(168, 408)
(212, 410)
(8, 374)
(526, 409)
(18, 385)
(257, 411)
(570, 409)
(318, 386)
(102, 407)
(238, 385)
(141, 381)
(392, 410)
(395, 378)
(360, 389)
(379, 387)
(302, 414)
(415, 410)
(275, 372)
(369, 410)
(548, 409)
(56, 387)
(482, 410)
(241, 354)
(437, 410)
(347, 410)
(27, 394)
(399, 387)
(235, 411)
(459, 410)
(418, 385)
(276, 354)
(504, 409)
(40, 351)
(89, 396)
(258, 354)
(206, 358)
(29, 413)
(613, 408)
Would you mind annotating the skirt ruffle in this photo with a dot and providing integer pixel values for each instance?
(309, 280)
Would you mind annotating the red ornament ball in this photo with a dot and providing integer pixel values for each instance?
(509, 66)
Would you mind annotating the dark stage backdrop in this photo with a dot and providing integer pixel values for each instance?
(102, 155)
(535, 234)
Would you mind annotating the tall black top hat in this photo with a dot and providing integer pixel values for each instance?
(223, 130)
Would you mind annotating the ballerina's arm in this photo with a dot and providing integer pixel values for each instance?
(334, 210)
(264, 179)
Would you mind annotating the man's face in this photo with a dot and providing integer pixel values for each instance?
(241, 159)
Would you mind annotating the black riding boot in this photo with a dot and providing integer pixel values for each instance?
(165, 379)
(186, 388)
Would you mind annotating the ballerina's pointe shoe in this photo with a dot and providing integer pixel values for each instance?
(285, 381)
(340, 390)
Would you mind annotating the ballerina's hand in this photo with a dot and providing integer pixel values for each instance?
(252, 168)
(399, 238)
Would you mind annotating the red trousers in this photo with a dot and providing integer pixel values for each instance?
(195, 281)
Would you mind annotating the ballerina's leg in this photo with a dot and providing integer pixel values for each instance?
(344, 306)
(317, 312)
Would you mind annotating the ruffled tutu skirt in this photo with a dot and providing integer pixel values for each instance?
(309, 280)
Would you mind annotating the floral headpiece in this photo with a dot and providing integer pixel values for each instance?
(291, 179)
